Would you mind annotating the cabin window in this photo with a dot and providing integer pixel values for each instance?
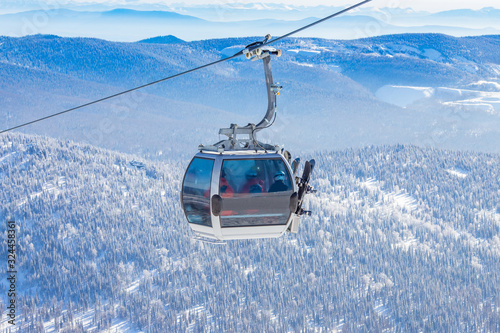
(255, 192)
(196, 191)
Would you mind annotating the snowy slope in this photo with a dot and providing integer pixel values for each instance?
(475, 100)
(329, 98)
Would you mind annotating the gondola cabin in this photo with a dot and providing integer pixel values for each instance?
(240, 188)
(239, 195)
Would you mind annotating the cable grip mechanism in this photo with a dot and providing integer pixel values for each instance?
(258, 50)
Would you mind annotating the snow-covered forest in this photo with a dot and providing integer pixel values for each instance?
(401, 238)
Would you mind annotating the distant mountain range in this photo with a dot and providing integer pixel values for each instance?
(205, 22)
(425, 89)
(163, 40)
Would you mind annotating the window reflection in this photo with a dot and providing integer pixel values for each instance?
(255, 192)
(255, 176)
(196, 191)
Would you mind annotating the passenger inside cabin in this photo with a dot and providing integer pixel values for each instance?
(253, 184)
(226, 191)
(279, 183)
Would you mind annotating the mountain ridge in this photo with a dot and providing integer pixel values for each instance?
(332, 91)
(122, 24)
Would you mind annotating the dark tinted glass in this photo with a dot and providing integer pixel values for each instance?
(196, 191)
(255, 192)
